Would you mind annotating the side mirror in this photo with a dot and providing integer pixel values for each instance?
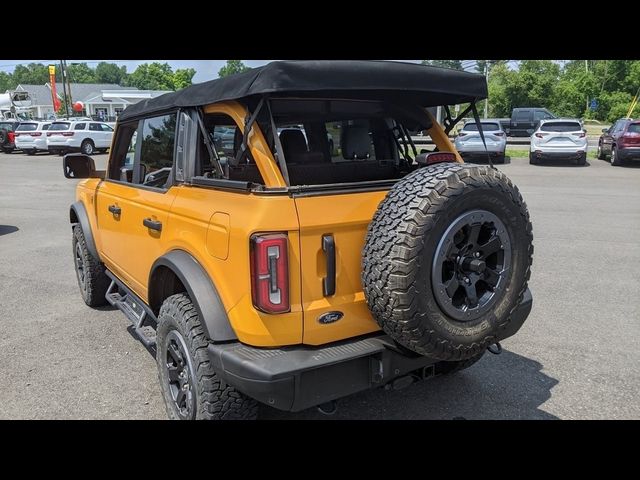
(605, 130)
(78, 165)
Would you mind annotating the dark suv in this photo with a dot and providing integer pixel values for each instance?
(621, 142)
(7, 137)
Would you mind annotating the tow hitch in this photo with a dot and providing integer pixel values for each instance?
(495, 348)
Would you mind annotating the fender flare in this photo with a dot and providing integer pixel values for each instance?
(78, 214)
(201, 290)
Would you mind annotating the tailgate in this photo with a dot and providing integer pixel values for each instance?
(345, 218)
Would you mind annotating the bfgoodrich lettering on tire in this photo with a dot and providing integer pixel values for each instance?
(447, 258)
(190, 387)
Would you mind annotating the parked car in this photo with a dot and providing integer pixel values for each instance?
(294, 279)
(31, 137)
(469, 143)
(524, 121)
(79, 136)
(559, 138)
(621, 142)
(7, 135)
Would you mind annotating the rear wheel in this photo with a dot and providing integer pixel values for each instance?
(87, 147)
(31, 152)
(600, 154)
(500, 159)
(532, 159)
(582, 159)
(615, 160)
(190, 387)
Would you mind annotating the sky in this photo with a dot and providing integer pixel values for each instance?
(205, 69)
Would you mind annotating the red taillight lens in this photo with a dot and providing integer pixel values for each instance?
(270, 272)
(36, 134)
(499, 134)
(49, 134)
(11, 136)
(539, 135)
(67, 134)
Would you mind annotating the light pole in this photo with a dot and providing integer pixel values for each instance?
(64, 87)
(486, 102)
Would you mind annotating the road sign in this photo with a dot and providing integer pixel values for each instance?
(594, 104)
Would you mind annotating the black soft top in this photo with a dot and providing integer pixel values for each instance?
(411, 83)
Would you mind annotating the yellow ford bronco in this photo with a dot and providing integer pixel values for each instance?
(275, 236)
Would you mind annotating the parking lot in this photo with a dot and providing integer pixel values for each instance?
(575, 358)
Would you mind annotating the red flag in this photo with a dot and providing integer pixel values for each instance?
(52, 81)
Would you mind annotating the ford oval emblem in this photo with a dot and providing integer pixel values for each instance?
(330, 317)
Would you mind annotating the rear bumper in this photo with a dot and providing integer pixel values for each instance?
(295, 378)
(559, 154)
(629, 153)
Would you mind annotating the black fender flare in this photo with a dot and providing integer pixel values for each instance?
(200, 289)
(78, 214)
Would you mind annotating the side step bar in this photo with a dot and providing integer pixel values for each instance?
(138, 313)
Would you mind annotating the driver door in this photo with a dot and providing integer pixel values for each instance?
(134, 201)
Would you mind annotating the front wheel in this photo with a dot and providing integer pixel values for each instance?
(90, 272)
(190, 387)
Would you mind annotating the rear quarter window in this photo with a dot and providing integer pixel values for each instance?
(634, 128)
(59, 126)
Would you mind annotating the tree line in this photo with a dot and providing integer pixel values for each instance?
(590, 89)
(148, 76)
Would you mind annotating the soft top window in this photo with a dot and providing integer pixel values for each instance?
(27, 127)
(472, 127)
(560, 127)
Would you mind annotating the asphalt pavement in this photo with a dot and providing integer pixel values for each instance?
(576, 357)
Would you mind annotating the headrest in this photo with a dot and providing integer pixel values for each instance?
(355, 142)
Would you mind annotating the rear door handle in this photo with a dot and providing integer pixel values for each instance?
(329, 282)
(152, 224)
(116, 210)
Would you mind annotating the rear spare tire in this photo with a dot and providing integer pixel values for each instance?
(447, 258)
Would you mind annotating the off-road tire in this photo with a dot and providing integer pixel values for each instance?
(214, 399)
(96, 282)
(87, 147)
(449, 368)
(399, 254)
(615, 160)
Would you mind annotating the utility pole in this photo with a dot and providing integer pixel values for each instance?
(64, 87)
(68, 82)
(486, 75)
(586, 69)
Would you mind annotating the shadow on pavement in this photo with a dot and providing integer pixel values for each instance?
(508, 386)
(7, 229)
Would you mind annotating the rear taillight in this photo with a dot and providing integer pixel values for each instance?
(270, 272)
(499, 134)
(11, 136)
(67, 134)
(580, 135)
(540, 135)
(36, 134)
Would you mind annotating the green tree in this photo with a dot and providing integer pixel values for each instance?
(232, 67)
(183, 78)
(32, 74)
(6, 82)
(152, 76)
(455, 64)
(80, 73)
(500, 104)
(110, 73)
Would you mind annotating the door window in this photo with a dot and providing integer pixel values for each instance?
(156, 151)
(122, 160)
